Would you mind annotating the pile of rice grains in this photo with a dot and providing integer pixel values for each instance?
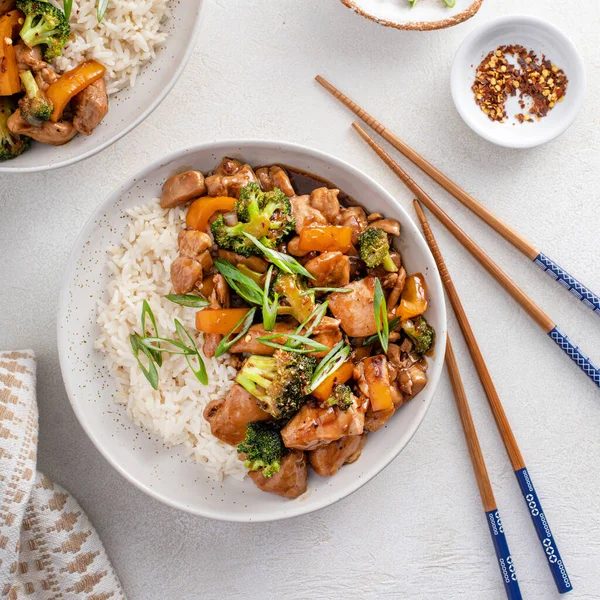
(497, 78)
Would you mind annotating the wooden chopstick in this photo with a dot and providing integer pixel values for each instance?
(555, 271)
(540, 521)
(528, 305)
(505, 562)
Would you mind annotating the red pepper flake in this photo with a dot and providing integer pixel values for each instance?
(497, 78)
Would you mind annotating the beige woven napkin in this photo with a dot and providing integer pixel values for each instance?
(48, 547)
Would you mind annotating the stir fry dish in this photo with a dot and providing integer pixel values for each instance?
(37, 102)
(307, 297)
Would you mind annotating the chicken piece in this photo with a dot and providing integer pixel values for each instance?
(390, 226)
(374, 420)
(54, 134)
(356, 309)
(250, 345)
(355, 218)
(192, 243)
(206, 262)
(90, 106)
(221, 292)
(328, 338)
(326, 201)
(6, 6)
(275, 177)
(328, 460)
(28, 59)
(396, 292)
(313, 426)
(290, 481)
(186, 273)
(229, 416)
(327, 325)
(230, 185)
(412, 379)
(330, 269)
(255, 263)
(293, 247)
(182, 188)
(45, 77)
(228, 166)
(305, 214)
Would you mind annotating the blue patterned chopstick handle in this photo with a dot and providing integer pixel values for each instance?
(576, 355)
(542, 527)
(577, 288)
(505, 561)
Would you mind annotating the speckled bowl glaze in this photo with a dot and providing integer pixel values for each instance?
(165, 473)
(129, 107)
(424, 16)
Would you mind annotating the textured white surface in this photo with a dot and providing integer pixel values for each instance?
(417, 530)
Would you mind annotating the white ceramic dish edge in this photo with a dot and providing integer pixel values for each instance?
(291, 508)
(548, 128)
(8, 168)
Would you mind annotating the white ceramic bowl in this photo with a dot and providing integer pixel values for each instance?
(534, 34)
(424, 16)
(161, 472)
(130, 107)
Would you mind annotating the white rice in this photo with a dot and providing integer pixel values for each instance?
(126, 39)
(140, 271)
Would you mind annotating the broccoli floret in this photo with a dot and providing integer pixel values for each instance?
(44, 24)
(342, 397)
(374, 248)
(420, 332)
(35, 107)
(279, 382)
(11, 144)
(265, 215)
(290, 287)
(263, 447)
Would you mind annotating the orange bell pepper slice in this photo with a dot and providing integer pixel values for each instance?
(413, 301)
(378, 380)
(10, 25)
(204, 208)
(219, 320)
(324, 391)
(62, 91)
(325, 238)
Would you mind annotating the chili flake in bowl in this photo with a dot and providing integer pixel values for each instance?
(518, 81)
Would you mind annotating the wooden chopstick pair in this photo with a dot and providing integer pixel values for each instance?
(534, 311)
(554, 270)
(540, 522)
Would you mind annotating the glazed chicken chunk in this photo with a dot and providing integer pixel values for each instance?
(54, 134)
(330, 269)
(356, 310)
(90, 106)
(182, 188)
(230, 185)
(328, 460)
(229, 416)
(290, 481)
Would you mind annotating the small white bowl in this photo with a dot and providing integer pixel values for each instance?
(129, 107)
(164, 473)
(542, 38)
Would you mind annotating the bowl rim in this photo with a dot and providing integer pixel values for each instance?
(470, 12)
(158, 100)
(461, 57)
(298, 508)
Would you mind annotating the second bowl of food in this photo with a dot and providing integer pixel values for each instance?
(225, 312)
(76, 79)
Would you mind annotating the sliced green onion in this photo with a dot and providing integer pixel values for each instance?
(245, 322)
(300, 340)
(334, 359)
(101, 9)
(67, 6)
(200, 373)
(286, 263)
(450, 3)
(150, 373)
(373, 338)
(381, 318)
(247, 288)
(315, 318)
(154, 343)
(326, 289)
(188, 300)
(146, 310)
(269, 309)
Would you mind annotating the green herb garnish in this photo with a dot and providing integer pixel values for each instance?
(326, 289)
(373, 338)
(245, 322)
(200, 372)
(247, 288)
(101, 9)
(146, 310)
(188, 300)
(381, 318)
(299, 340)
(269, 308)
(67, 6)
(150, 373)
(334, 359)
